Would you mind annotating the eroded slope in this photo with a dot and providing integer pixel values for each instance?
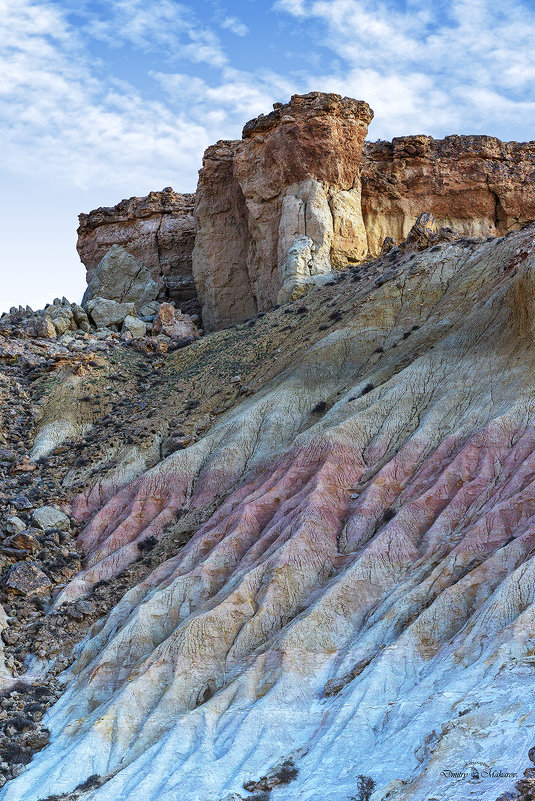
(357, 593)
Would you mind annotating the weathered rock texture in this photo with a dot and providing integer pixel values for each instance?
(158, 230)
(341, 563)
(120, 278)
(294, 176)
(477, 185)
(294, 173)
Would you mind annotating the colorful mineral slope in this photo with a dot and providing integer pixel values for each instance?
(360, 597)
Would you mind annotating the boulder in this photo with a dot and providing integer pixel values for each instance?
(62, 323)
(40, 327)
(173, 323)
(27, 578)
(81, 318)
(49, 517)
(425, 233)
(134, 326)
(122, 278)
(105, 312)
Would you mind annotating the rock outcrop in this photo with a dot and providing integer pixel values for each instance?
(302, 172)
(157, 230)
(425, 233)
(477, 185)
(295, 173)
(173, 323)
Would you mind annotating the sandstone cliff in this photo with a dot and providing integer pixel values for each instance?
(294, 173)
(279, 210)
(158, 230)
(475, 184)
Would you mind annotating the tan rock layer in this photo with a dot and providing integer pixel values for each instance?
(477, 185)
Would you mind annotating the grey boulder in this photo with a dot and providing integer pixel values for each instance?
(50, 517)
(121, 277)
(134, 326)
(106, 312)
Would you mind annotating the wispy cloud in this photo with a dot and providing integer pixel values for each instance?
(435, 66)
(168, 27)
(235, 25)
(61, 118)
(231, 101)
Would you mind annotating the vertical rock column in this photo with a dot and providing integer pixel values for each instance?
(294, 174)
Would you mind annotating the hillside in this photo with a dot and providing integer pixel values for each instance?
(293, 558)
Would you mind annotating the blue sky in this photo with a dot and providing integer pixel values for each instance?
(104, 99)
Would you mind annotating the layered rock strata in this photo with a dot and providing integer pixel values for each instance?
(293, 177)
(157, 230)
(477, 185)
(354, 606)
(295, 173)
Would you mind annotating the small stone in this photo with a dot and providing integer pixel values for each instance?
(84, 607)
(134, 326)
(14, 524)
(21, 502)
(50, 517)
(150, 309)
(24, 541)
(37, 739)
(24, 466)
(27, 578)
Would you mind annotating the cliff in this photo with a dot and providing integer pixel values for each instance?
(302, 195)
(294, 173)
(475, 184)
(158, 230)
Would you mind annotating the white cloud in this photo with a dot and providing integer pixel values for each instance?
(165, 26)
(436, 67)
(60, 119)
(235, 25)
(235, 98)
(66, 119)
(295, 7)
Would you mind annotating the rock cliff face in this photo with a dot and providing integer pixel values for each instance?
(158, 230)
(475, 184)
(308, 544)
(294, 173)
(279, 210)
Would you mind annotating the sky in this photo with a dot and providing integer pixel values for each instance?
(105, 99)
